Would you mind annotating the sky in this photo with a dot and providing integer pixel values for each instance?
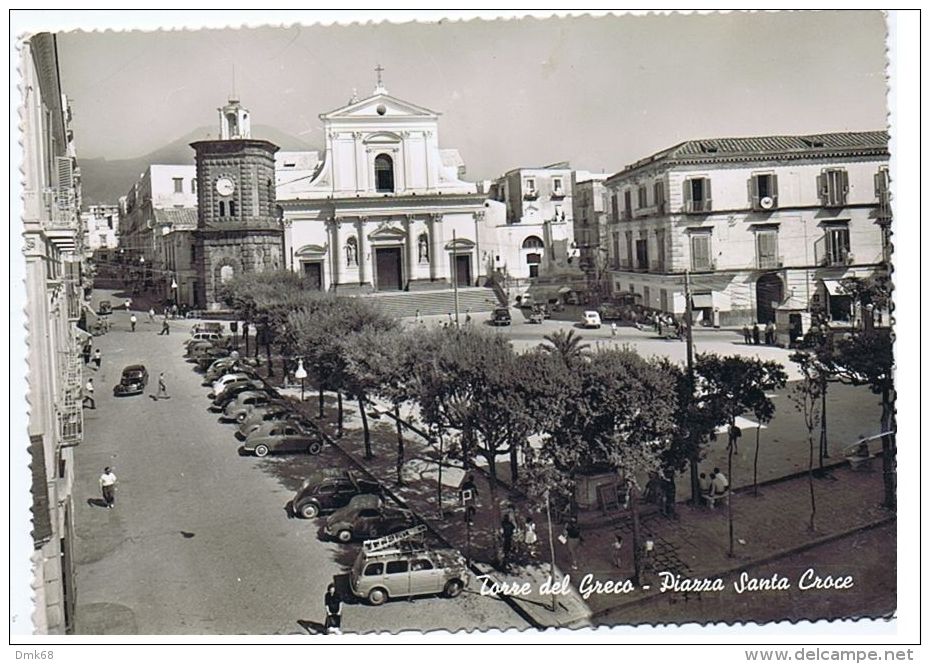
(600, 92)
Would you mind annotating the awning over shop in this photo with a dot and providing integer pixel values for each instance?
(80, 334)
(833, 287)
(702, 301)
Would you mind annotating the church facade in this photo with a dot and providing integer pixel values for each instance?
(385, 208)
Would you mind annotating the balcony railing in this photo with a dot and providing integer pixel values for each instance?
(558, 193)
(769, 262)
(698, 207)
(70, 405)
(530, 195)
(60, 204)
(703, 266)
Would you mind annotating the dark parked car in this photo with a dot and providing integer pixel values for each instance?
(500, 317)
(609, 311)
(284, 437)
(234, 389)
(358, 520)
(104, 308)
(133, 381)
(240, 407)
(324, 492)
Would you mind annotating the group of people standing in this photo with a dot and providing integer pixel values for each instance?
(754, 334)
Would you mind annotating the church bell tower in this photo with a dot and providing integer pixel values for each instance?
(237, 228)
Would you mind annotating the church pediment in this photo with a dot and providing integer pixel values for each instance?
(387, 234)
(460, 244)
(314, 250)
(380, 105)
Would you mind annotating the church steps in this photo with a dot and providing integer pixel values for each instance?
(435, 303)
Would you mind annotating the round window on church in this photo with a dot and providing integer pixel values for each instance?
(382, 109)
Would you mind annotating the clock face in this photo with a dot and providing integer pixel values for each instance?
(225, 186)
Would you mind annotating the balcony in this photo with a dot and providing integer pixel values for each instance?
(60, 204)
(697, 207)
(704, 266)
(558, 194)
(70, 403)
(530, 195)
(769, 262)
(837, 259)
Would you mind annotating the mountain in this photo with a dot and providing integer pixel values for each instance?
(105, 180)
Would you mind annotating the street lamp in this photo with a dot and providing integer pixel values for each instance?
(301, 373)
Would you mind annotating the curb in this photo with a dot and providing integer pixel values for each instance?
(513, 604)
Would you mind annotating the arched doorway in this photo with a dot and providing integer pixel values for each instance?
(770, 291)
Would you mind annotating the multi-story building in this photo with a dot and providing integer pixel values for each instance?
(591, 213)
(157, 219)
(101, 228)
(53, 240)
(755, 221)
(536, 234)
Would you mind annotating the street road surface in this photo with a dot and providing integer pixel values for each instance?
(200, 541)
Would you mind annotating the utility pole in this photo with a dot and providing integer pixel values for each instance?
(455, 277)
(551, 550)
(689, 340)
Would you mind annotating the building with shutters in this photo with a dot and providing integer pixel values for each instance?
(755, 221)
(591, 214)
(53, 245)
(384, 208)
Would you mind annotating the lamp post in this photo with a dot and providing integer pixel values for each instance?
(301, 373)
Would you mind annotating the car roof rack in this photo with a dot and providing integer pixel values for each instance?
(402, 538)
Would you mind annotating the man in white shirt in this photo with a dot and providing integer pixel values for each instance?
(89, 394)
(108, 486)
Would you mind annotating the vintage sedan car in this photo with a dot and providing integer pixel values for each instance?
(133, 381)
(359, 520)
(208, 326)
(230, 377)
(105, 308)
(590, 319)
(284, 437)
(245, 402)
(197, 349)
(270, 412)
(500, 316)
(325, 492)
(232, 390)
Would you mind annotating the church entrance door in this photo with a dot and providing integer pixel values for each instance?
(463, 271)
(770, 291)
(388, 269)
(313, 275)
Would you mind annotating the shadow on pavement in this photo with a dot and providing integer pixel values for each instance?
(96, 502)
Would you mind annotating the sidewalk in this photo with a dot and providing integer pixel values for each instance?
(768, 526)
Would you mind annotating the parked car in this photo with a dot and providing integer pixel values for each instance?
(245, 402)
(609, 311)
(590, 319)
(406, 571)
(325, 492)
(209, 326)
(500, 316)
(270, 412)
(232, 390)
(212, 337)
(358, 520)
(284, 437)
(211, 355)
(197, 349)
(105, 308)
(132, 381)
(220, 383)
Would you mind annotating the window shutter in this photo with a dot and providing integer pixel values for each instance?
(753, 185)
(688, 203)
(708, 198)
(774, 193)
(822, 187)
(65, 172)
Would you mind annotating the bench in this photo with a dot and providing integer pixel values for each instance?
(712, 498)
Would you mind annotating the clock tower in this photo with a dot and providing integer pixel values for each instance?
(237, 227)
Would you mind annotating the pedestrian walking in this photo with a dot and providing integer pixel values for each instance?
(508, 527)
(530, 537)
(770, 333)
(86, 353)
(613, 329)
(735, 433)
(419, 318)
(572, 538)
(617, 547)
(165, 329)
(89, 394)
(333, 605)
(467, 316)
(151, 314)
(747, 335)
(98, 357)
(162, 387)
(108, 487)
(649, 552)
(128, 303)
(468, 495)
(132, 323)
(755, 334)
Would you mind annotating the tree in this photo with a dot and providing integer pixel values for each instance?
(806, 396)
(568, 346)
(867, 358)
(247, 293)
(868, 295)
(728, 387)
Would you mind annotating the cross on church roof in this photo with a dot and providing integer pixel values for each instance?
(380, 87)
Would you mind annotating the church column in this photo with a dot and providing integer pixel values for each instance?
(335, 252)
(436, 248)
(412, 257)
(428, 148)
(363, 257)
(479, 261)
